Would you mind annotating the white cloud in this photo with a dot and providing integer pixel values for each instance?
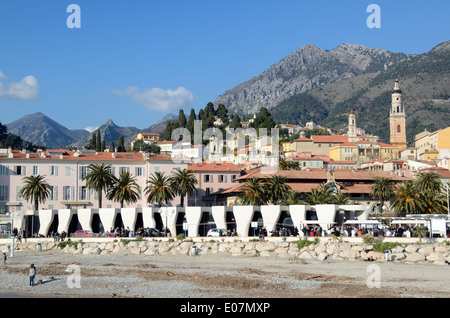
(25, 89)
(159, 99)
(91, 128)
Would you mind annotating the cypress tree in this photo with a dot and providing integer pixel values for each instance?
(121, 145)
(98, 144)
(181, 119)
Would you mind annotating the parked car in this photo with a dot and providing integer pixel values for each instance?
(83, 233)
(154, 232)
(216, 232)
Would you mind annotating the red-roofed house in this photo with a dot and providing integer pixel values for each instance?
(362, 151)
(212, 177)
(64, 171)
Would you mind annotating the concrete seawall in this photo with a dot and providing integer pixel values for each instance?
(435, 251)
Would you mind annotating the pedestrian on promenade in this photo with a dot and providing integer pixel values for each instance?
(32, 274)
(4, 258)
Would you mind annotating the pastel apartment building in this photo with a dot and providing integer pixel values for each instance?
(212, 177)
(64, 171)
(436, 143)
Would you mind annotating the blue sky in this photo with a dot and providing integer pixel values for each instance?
(134, 61)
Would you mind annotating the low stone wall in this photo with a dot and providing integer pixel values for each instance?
(306, 250)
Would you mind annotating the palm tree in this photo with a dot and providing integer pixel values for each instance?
(124, 189)
(252, 193)
(99, 179)
(316, 196)
(428, 181)
(407, 198)
(340, 198)
(36, 189)
(183, 182)
(283, 164)
(292, 198)
(158, 189)
(383, 188)
(434, 203)
(419, 231)
(294, 165)
(276, 188)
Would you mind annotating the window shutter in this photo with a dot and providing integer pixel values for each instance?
(18, 195)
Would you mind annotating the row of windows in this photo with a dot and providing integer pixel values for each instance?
(221, 178)
(53, 171)
(68, 193)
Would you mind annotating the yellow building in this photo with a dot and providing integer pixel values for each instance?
(148, 138)
(427, 141)
(431, 155)
(362, 151)
(288, 146)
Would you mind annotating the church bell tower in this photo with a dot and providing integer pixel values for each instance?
(397, 119)
(352, 135)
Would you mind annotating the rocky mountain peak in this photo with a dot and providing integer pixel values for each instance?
(307, 68)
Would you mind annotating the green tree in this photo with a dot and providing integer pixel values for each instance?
(292, 198)
(167, 134)
(92, 143)
(112, 147)
(276, 189)
(222, 113)
(124, 189)
(253, 193)
(191, 123)
(407, 199)
(99, 179)
(98, 144)
(159, 189)
(425, 181)
(382, 188)
(183, 183)
(235, 122)
(340, 198)
(316, 196)
(434, 203)
(182, 119)
(121, 144)
(36, 190)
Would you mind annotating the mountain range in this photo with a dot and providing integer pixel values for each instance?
(41, 130)
(323, 86)
(310, 84)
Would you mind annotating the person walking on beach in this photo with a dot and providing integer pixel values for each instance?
(32, 273)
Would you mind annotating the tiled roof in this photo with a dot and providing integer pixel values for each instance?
(160, 157)
(213, 166)
(317, 174)
(444, 173)
(329, 139)
(75, 155)
(303, 139)
(166, 142)
(307, 187)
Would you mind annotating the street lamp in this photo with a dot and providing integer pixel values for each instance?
(166, 212)
(448, 210)
(12, 229)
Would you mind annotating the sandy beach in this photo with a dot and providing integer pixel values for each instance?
(123, 275)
